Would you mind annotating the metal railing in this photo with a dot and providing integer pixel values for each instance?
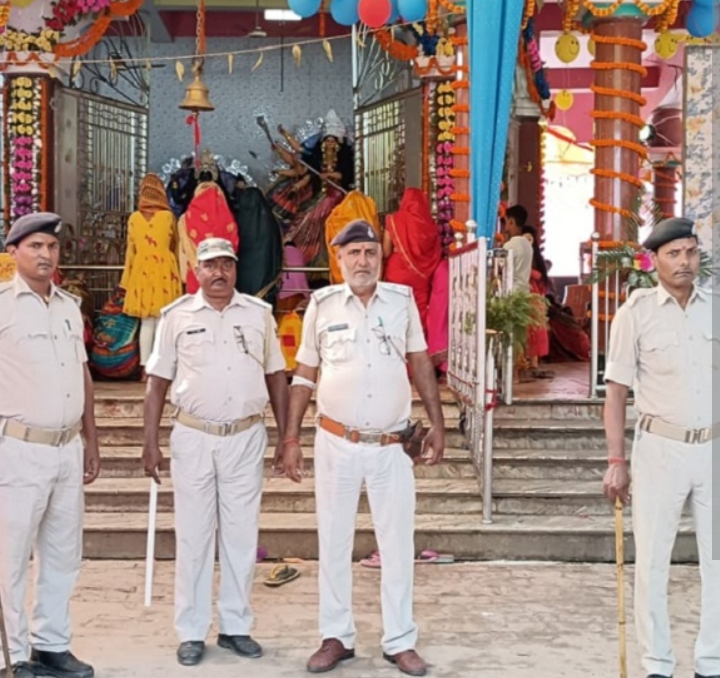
(606, 298)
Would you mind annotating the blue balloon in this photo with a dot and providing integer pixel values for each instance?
(394, 12)
(707, 3)
(413, 10)
(701, 21)
(305, 8)
(345, 12)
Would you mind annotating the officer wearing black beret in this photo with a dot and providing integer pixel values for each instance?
(356, 231)
(46, 401)
(663, 344)
(40, 222)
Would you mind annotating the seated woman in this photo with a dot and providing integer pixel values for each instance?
(412, 248)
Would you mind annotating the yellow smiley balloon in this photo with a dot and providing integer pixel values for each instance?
(591, 46)
(564, 100)
(567, 48)
(666, 45)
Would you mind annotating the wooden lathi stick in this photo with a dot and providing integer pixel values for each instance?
(620, 558)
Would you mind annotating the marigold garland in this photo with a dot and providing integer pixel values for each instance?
(572, 7)
(45, 150)
(457, 150)
(461, 108)
(460, 173)
(619, 65)
(396, 49)
(460, 197)
(610, 208)
(452, 8)
(619, 40)
(612, 174)
(528, 12)
(619, 115)
(639, 99)
(460, 84)
(620, 143)
(599, 13)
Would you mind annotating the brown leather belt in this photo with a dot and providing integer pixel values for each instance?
(691, 436)
(40, 436)
(215, 428)
(355, 436)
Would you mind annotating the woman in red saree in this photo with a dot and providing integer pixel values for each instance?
(412, 248)
(207, 216)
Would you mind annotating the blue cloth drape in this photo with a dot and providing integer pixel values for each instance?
(494, 33)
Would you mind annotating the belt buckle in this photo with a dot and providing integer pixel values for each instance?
(225, 429)
(370, 438)
(703, 435)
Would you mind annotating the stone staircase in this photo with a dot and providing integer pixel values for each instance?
(548, 505)
(549, 462)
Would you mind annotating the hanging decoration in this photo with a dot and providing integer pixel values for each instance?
(445, 159)
(374, 13)
(667, 44)
(564, 100)
(538, 87)
(26, 104)
(197, 96)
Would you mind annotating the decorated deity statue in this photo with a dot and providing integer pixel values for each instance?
(333, 175)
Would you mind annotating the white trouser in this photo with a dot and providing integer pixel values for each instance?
(217, 485)
(665, 473)
(340, 469)
(148, 326)
(41, 512)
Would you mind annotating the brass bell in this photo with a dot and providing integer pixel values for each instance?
(197, 96)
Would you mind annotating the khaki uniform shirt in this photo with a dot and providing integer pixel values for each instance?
(361, 353)
(668, 355)
(42, 356)
(217, 360)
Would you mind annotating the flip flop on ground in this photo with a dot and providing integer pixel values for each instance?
(281, 574)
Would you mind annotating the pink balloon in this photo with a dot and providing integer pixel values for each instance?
(375, 13)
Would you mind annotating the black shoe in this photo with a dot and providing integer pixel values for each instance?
(20, 670)
(245, 646)
(190, 652)
(697, 675)
(59, 664)
(657, 675)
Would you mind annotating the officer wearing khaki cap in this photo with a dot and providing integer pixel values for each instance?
(219, 351)
(664, 344)
(46, 400)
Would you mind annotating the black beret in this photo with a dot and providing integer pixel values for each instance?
(669, 230)
(356, 231)
(40, 222)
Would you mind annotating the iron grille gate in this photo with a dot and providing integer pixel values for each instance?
(97, 186)
(383, 146)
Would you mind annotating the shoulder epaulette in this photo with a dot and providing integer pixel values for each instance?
(70, 295)
(398, 289)
(178, 302)
(638, 295)
(256, 300)
(325, 293)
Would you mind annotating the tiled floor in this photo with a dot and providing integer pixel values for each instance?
(571, 382)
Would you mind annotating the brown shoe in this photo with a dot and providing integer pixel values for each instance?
(330, 654)
(409, 662)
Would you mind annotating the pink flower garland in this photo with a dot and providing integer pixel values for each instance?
(24, 144)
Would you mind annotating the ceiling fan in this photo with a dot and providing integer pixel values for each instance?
(258, 31)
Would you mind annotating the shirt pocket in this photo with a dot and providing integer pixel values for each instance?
(195, 346)
(338, 346)
(396, 348)
(714, 349)
(73, 345)
(663, 352)
(253, 345)
(35, 345)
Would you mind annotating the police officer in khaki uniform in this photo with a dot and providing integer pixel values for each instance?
(46, 400)
(361, 337)
(664, 345)
(219, 350)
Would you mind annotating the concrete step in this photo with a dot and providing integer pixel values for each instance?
(130, 405)
(544, 464)
(434, 496)
(124, 462)
(552, 434)
(128, 432)
(509, 537)
(535, 408)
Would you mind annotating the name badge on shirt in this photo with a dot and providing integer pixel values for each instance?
(199, 330)
(338, 328)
